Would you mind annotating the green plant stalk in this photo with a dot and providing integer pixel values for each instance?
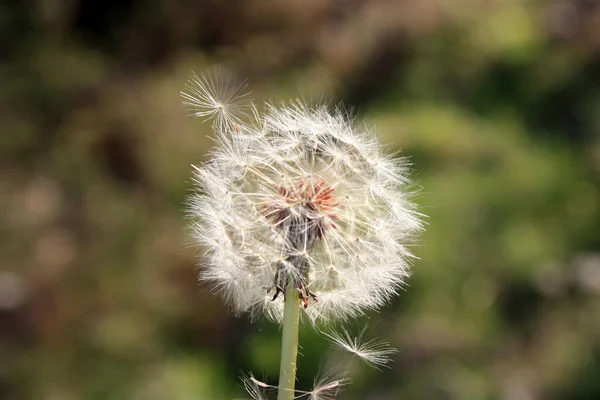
(289, 343)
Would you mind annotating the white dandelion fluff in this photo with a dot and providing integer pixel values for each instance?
(375, 353)
(298, 194)
(219, 95)
(325, 388)
(256, 389)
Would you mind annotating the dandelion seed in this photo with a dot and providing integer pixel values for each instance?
(219, 95)
(375, 353)
(255, 388)
(325, 388)
(302, 195)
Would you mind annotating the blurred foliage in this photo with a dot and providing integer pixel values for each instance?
(496, 102)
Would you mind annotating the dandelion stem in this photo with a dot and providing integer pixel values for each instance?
(289, 343)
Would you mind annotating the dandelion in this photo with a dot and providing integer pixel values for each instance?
(298, 207)
(301, 194)
(375, 353)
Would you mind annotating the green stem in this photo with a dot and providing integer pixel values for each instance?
(289, 343)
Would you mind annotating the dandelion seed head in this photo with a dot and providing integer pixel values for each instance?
(300, 193)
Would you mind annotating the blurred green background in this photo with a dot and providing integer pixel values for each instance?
(496, 102)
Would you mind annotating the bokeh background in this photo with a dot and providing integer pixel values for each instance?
(497, 102)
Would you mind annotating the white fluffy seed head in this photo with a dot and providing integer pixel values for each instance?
(299, 194)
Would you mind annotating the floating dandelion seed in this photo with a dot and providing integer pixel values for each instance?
(375, 353)
(255, 388)
(219, 95)
(298, 194)
(325, 388)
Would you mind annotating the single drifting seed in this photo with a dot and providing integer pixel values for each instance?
(219, 95)
(259, 383)
(255, 388)
(373, 352)
(325, 388)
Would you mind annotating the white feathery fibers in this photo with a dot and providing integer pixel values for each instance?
(298, 194)
(220, 96)
(255, 388)
(373, 352)
(325, 388)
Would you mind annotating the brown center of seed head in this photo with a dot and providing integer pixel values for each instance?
(301, 213)
(305, 210)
